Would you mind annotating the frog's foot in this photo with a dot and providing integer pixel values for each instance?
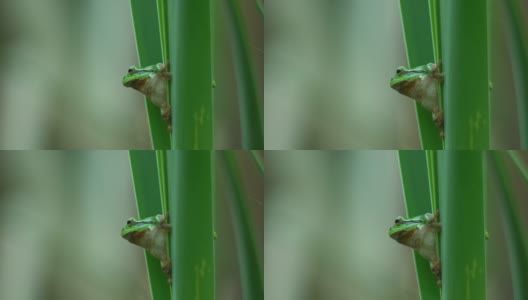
(167, 116)
(436, 268)
(166, 112)
(439, 119)
(436, 215)
(166, 267)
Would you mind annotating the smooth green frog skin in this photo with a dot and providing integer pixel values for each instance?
(419, 233)
(151, 234)
(152, 82)
(421, 84)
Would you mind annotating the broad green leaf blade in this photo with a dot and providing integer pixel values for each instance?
(190, 55)
(147, 190)
(249, 258)
(419, 44)
(413, 168)
(514, 232)
(191, 202)
(466, 88)
(462, 214)
(250, 112)
(145, 20)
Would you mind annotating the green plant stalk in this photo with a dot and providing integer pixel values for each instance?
(519, 55)
(433, 179)
(434, 12)
(190, 55)
(514, 229)
(250, 112)
(250, 266)
(258, 161)
(145, 21)
(260, 7)
(466, 87)
(462, 214)
(148, 198)
(413, 168)
(161, 161)
(191, 201)
(518, 163)
(419, 45)
(163, 25)
(432, 174)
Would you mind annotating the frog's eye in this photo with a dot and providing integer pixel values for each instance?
(130, 70)
(398, 221)
(398, 71)
(130, 221)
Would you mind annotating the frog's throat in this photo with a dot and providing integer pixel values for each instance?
(136, 84)
(405, 87)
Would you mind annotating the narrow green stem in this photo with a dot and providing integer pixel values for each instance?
(518, 163)
(250, 266)
(257, 160)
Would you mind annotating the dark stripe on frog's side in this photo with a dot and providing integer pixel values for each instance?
(143, 223)
(140, 72)
(414, 221)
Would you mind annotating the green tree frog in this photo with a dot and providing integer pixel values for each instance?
(419, 233)
(421, 84)
(151, 81)
(151, 234)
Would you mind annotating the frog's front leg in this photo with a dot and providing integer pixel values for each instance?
(434, 221)
(164, 222)
(434, 71)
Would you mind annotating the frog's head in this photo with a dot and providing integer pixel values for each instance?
(405, 79)
(135, 78)
(135, 229)
(405, 228)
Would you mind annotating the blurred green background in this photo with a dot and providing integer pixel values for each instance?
(326, 228)
(62, 66)
(327, 77)
(61, 215)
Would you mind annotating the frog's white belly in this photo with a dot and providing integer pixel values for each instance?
(426, 92)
